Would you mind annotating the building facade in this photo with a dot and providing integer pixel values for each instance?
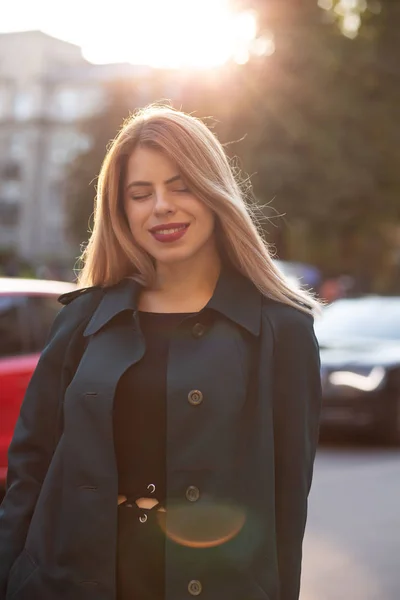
(47, 89)
(40, 110)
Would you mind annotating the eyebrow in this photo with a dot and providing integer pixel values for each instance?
(148, 183)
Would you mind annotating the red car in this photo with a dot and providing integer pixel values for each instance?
(27, 310)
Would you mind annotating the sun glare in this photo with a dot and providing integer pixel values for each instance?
(174, 34)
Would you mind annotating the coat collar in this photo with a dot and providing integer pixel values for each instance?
(118, 298)
(237, 299)
(234, 296)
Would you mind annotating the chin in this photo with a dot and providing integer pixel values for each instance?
(172, 255)
(169, 258)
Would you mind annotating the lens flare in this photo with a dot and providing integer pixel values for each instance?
(202, 525)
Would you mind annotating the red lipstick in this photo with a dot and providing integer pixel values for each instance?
(169, 232)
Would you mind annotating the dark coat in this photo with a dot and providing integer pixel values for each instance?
(250, 442)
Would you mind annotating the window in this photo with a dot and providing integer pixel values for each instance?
(10, 190)
(68, 104)
(14, 336)
(23, 105)
(72, 103)
(42, 312)
(357, 319)
(66, 145)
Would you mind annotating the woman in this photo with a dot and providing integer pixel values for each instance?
(166, 442)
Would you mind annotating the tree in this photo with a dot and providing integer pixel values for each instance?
(322, 139)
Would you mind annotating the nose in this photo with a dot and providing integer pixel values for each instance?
(163, 204)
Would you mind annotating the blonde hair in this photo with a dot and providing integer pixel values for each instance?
(111, 253)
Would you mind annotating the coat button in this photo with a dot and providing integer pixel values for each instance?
(198, 330)
(195, 397)
(192, 493)
(195, 587)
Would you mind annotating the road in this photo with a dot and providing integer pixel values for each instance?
(352, 542)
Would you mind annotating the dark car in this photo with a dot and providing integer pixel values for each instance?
(360, 356)
(27, 309)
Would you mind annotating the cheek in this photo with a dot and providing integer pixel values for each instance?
(203, 214)
(209, 220)
(136, 216)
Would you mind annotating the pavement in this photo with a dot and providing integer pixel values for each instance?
(352, 541)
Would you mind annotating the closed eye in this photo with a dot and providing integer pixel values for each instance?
(141, 196)
(148, 194)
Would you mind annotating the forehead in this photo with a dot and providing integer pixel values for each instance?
(149, 164)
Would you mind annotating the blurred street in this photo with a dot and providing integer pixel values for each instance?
(352, 544)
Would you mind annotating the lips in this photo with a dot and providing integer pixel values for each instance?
(167, 227)
(169, 232)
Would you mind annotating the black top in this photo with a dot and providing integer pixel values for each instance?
(140, 410)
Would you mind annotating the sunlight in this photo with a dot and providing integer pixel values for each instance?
(173, 34)
(176, 34)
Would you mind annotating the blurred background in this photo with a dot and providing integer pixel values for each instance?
(307, 94)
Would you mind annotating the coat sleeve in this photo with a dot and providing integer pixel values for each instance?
(297, 404)
(34, 439)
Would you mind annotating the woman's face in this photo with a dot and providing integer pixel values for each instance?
(165, 218)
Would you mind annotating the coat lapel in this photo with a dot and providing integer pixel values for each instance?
(111, 350)
(117, 299)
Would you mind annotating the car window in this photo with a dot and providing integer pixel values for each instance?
(42, 311)
(14, 335)
(368, 318)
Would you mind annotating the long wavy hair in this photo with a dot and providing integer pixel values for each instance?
(112, 254)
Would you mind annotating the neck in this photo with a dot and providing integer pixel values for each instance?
(183, 287)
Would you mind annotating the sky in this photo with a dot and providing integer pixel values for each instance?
(160, 33)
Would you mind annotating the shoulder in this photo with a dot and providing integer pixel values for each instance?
(88, 293)
(286, 321)
(78, 306)
(295, 345)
